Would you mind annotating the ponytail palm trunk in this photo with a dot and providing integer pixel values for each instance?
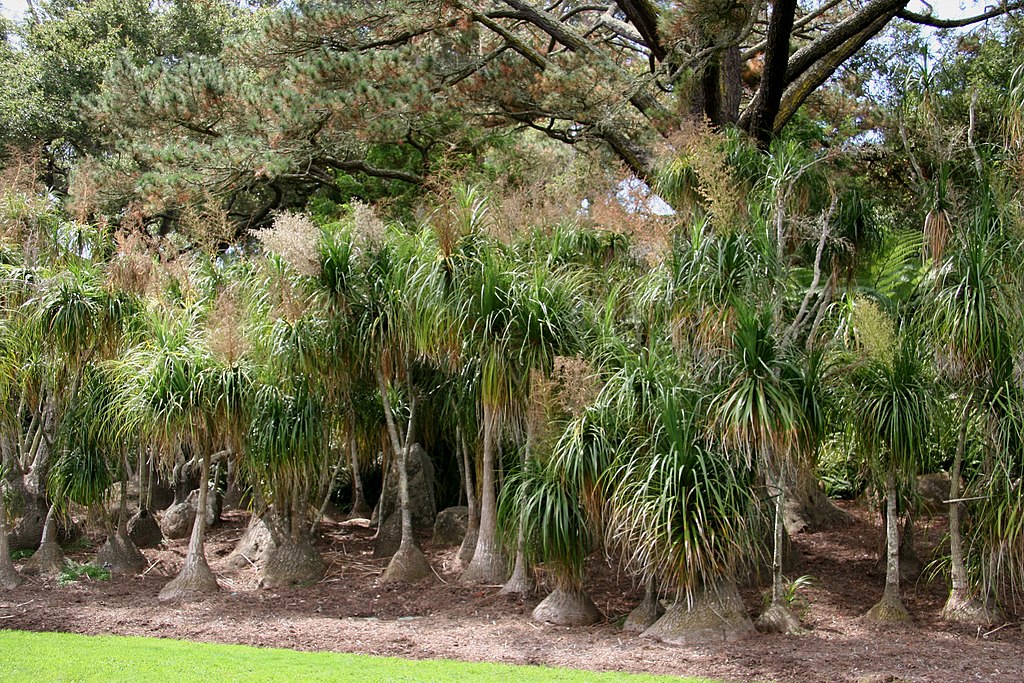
(976, 328)
(468, 546)
(962, 604)
(195, 578)
(48, 561)
(892, 413)
(9, 578)
(119, 553)
(408, 564)
(360, 509)
(890, 607)
(489, 564)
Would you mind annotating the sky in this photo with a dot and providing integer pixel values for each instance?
(943, 8)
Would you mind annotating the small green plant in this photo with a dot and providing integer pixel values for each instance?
(22, 554)
(74, 571)
(793, 595)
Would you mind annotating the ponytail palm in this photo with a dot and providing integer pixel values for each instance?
(404, 320)
(519, 320)
(675, 503)
(976, 324)
(93, 449)
(285, 458)
(548, 323)
(182, 397)
(758, 414)
(86, 324)
(892, 408)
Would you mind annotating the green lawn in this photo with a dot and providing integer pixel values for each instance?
(44, 657)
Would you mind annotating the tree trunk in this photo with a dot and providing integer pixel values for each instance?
(360, 510)
(488, 564)
(48, 561)
(647, 612)
(714, 614)
(468, 546)
(9, 578)
(961, 606)
(890, 607)
(778, 583)
(232, 491)
(567, 607)
(773, 80)
(408, 564)
(119, 553)
(521, 582)
(778, 618)
(291, 559)
(195, 578)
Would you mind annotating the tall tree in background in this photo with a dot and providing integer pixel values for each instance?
(328, 98)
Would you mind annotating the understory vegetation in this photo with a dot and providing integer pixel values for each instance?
(306, 257)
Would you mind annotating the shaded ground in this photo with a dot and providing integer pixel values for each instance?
(439, 618)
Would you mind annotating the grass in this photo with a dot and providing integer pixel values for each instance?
(74, 658)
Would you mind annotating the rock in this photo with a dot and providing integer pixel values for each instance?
(933, 489)
(421, 502)
(178, 519)
(144, 530)
(450, 525)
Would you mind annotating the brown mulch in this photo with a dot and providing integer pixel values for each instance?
(349, 611)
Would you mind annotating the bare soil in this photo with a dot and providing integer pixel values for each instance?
(350, 611)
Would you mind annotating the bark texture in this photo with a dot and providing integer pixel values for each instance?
(779, 619)
(360, 509)
(566, 607)
(646, 613)
(144, 530)
(48, 561)
(27, 532)
(521, 582)
(254, 546)
(890, 608)
(715, 614)
(408, 565)
(489, 565)
(809, 509)
(9, 577)
(195, 580)
(292, 561)
(961, 606)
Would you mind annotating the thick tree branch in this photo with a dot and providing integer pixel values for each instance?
(809, 56)
(643, 14)
(928, 20)
(567, 36)
(814, 77)
(769, 94)
(360, 166)
(797, 25)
